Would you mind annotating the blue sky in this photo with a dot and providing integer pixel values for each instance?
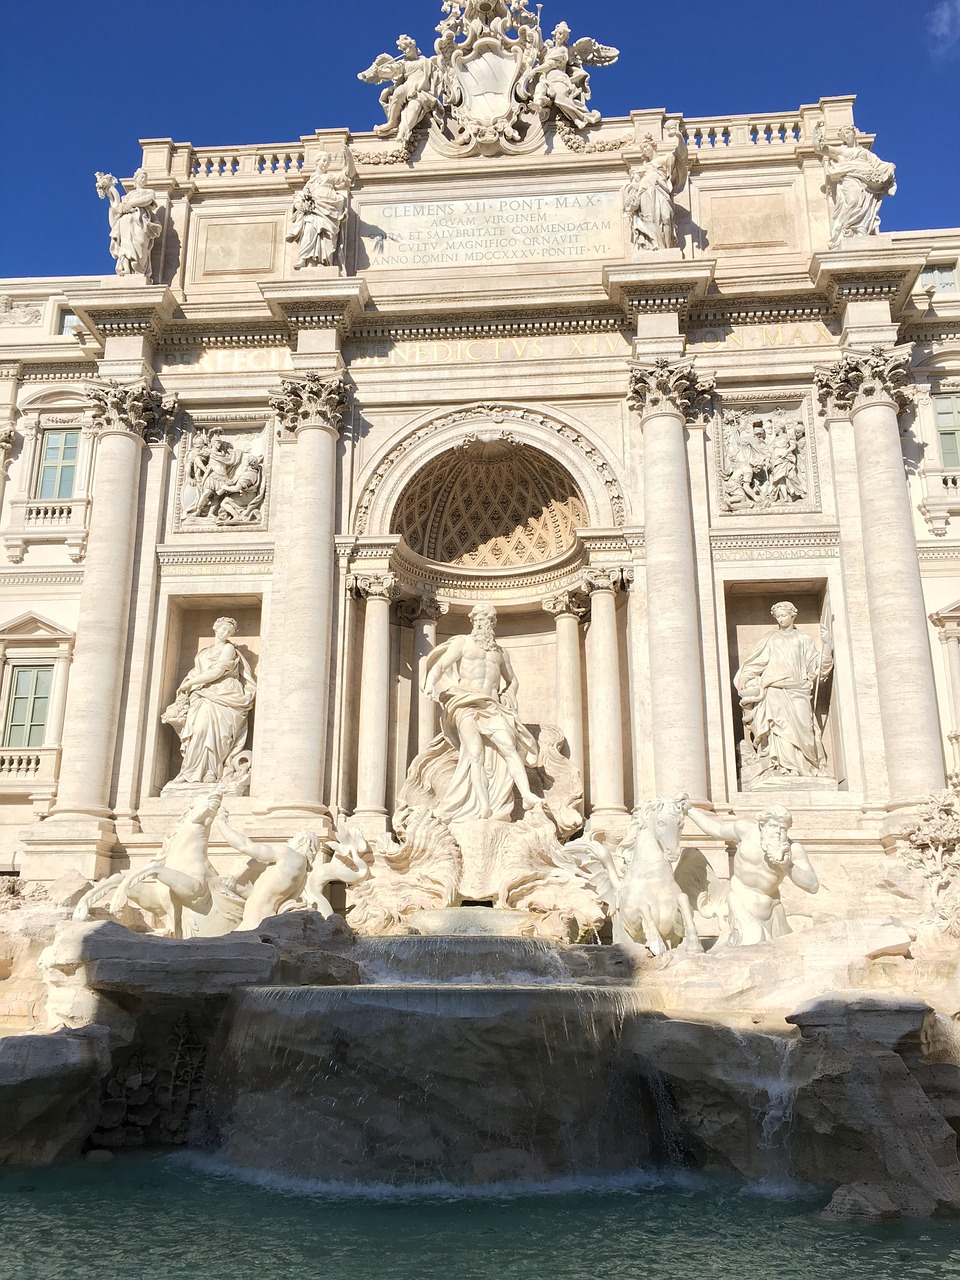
(82, 82)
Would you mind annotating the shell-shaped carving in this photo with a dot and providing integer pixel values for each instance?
(492, 503)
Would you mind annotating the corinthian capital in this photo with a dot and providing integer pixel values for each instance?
(672, 385)
(135, 407)
(374, 586)
(860, 378)
(309, 400)
(568, 603)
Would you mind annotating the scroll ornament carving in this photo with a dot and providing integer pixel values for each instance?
(568, 603)
(309, 400)
(8, 438)
(223, 483)
(762, 464)
(135, 407)
(648, 198)
(429, 607)
(862, 378)
(23, 313)
(670, 385)
(374, 586)
(491, 81)
(613, 579)
(857, 182)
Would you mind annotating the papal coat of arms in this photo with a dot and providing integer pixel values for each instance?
(492, 81)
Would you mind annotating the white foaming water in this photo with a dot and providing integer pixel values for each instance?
(631, 1182)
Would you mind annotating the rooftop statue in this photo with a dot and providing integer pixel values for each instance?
(492, 80)
(319, 210)
(857, 181)
(133, 227)
(648, 198)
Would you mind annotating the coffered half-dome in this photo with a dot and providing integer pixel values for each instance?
(490, 503)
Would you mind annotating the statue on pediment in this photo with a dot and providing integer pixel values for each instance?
(492, 81)
(648, 198)
(410, 95)
(319, 211)
(133, 227)
(857, 181)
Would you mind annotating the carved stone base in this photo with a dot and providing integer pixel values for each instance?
(784, 782)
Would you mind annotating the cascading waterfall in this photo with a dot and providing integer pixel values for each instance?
(466, 1081)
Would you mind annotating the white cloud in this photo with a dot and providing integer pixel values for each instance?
(944, 25)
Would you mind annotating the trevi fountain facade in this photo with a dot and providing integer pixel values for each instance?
(492, 574)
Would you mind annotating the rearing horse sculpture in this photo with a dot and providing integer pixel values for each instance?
(637, 883)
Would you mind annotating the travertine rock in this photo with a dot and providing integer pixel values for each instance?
(49, 1093)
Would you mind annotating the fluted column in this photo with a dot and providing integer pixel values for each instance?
(378, 590)
(870, 387)
(568, 609)
(603, 698)
(123, 418)
(311, 409)
(665, 394)
(424, 612)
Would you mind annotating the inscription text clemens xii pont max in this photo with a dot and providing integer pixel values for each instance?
(505, 229)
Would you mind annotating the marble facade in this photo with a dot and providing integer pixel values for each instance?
(631, 381)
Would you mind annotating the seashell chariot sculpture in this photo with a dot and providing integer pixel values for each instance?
(482, 634)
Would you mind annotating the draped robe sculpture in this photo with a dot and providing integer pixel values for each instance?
(210, 713)
(778, 686)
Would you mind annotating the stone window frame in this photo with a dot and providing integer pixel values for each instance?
(34, 520)
(940, 481)
(31, 640)
(43, 464)
(939, 277)
(32, 697)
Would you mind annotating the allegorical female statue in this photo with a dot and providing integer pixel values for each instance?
(778, 686)
(858, 181)
(133, 227)
(318, 214)
(211, 711)
(648, 198)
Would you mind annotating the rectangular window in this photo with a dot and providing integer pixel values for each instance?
(941, 277)
(58, 464)
(27, 711)
(948, 429)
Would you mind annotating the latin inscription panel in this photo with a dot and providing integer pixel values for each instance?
(511, 229)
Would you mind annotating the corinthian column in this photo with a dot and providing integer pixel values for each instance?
(568, 609)
(311, 409)
(124, 418)
(603, 698)
(379, 591)
(870, 388)
(665, 394)
(424, 612)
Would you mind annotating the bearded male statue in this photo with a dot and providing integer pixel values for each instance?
(473, 681)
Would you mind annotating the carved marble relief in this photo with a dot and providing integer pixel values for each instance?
(223, 479)
(765, 460)
(492, 81)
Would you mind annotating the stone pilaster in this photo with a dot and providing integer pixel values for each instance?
(568, 610)
(310, 411)
(869, 387)
(666, 394)
(604, 707)
(379, 590)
